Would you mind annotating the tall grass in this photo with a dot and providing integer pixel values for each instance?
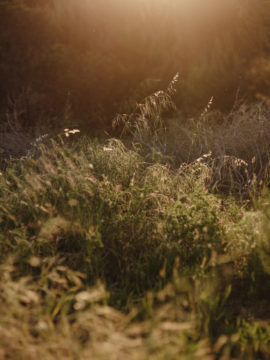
(106, 254)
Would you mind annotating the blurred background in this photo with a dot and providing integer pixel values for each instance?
(84, 61)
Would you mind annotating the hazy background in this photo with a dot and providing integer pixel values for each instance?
(94, 58)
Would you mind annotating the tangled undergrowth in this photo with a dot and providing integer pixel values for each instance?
(107, 255)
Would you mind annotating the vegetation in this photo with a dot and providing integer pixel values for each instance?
(134, 205)
(111, 250)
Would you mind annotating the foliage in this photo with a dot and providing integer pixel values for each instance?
(181, 267)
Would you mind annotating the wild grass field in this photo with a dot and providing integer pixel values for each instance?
(114, 249)
(134, 180)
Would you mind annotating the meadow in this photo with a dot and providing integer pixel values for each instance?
(109, 250)
(134, 181)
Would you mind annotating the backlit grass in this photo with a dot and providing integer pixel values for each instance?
(107, 255)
